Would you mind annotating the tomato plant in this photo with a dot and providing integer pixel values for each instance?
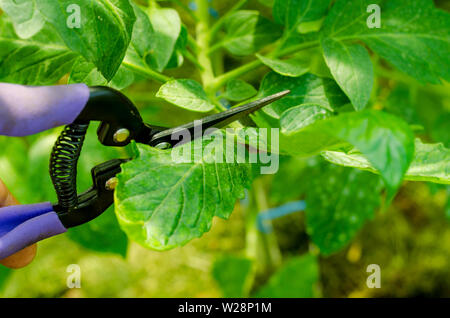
(368, 110)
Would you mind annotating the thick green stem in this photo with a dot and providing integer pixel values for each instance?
(202, 40)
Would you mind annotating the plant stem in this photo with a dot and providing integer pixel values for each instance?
(263, 248)
(223, 79)
(202, 32)
(218, 25)
(147, 72)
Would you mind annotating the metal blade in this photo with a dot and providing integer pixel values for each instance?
(163, 139)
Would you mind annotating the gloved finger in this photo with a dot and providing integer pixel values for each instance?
(25, 256)
(27, 110)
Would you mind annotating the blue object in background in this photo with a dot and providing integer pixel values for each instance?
(213, 12)
(266, 227)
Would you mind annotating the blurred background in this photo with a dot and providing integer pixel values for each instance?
(410, 239)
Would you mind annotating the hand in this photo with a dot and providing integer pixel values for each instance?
(25, 256)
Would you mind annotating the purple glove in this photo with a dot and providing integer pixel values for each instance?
(27, 110)
(23, 225)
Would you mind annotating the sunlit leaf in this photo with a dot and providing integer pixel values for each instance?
(162, 204)
(186, 93)
(291, 67)
(25, 16)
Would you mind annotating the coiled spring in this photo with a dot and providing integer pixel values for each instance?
(63, 164)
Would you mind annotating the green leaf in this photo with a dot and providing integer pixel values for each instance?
(285, 186)
(165, 30)
(306, 89)
(239, 90)
(247, 32)
(385, 140)
(291, 67)
(39, 60)
(233, 275)
(186, 93)
(162, 203)
(105, 32)
(140, 39)
(352, 68)
(86, 72)
(177, 58)
(338, 203)
(298, 117)
(431, 162)
(295, 279)
(414, 36)
(25, 16)
(291, 13)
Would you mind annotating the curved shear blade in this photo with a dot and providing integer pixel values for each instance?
(216, 120)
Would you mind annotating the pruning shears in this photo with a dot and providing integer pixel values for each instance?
(27, 110)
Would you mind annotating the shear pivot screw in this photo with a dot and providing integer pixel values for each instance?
(111, 184)
(121, 135)
(163, 145)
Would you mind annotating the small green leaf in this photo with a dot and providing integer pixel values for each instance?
(295, 279)
(40, 60)
(291, 67)
(239, 90)
(186, 93)
(104, 34)
(431, 162)
(306, 89)
(177, 58)
(166, 27)
(247, 32)
(291, 13)
(25, 16)
(298, 117)
(162, 203)
(385, 140)
(233, 274)
(338, 203)
(352, 68)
